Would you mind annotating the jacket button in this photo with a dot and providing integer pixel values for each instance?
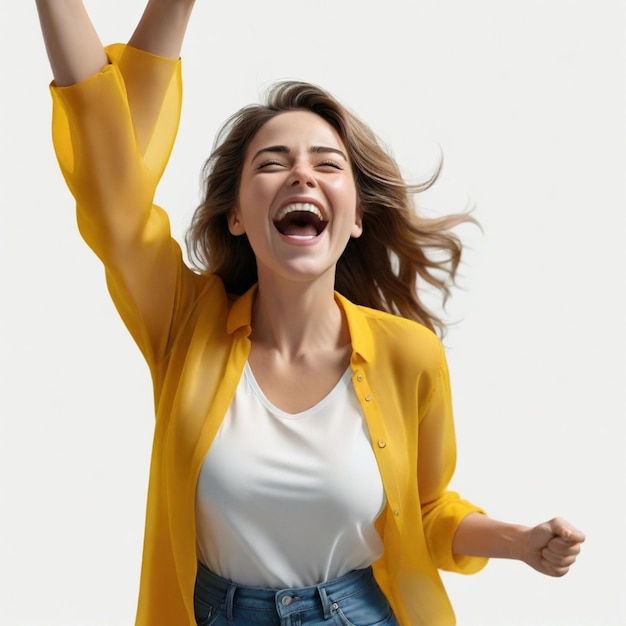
(368, 397)
(382, 443)
(360, 378)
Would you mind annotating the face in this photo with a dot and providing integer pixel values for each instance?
(297, 199)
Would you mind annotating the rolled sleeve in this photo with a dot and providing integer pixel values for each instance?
(442, 510)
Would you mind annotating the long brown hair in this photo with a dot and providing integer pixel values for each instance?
(398, 251)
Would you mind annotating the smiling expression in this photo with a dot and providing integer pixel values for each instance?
(297, 199)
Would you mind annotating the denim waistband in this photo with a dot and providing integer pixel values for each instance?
(283, 601)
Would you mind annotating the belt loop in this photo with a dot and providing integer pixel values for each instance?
(326, 604)
(229, 602)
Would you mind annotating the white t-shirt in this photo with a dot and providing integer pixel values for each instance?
(289, 500)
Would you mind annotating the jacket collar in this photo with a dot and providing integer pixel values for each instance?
(359, 328)
(240, 317)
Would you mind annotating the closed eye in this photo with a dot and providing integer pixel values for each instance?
(270, 163)
(330, 163)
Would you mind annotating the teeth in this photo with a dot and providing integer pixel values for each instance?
(302, 207)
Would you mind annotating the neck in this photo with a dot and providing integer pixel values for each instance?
(298, 318)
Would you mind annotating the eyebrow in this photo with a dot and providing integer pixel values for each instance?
(312, 150)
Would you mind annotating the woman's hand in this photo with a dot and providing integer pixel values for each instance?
(552, 547)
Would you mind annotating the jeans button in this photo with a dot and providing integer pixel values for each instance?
(286, 600)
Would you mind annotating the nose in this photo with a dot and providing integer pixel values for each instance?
(302, 176)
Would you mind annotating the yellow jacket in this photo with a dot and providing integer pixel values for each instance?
(113, 134)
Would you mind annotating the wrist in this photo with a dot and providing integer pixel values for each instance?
(515, 541)
(479, 535)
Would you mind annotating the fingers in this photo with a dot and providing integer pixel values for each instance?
(562, 528)
(556, 571)
(554, 546)
(561, 551)
(556, 550)
(555, 564)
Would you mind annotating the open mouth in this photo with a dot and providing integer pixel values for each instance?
(300, 220)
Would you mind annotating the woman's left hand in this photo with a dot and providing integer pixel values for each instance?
(552, 547)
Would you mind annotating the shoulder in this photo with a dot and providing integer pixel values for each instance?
(394, 338)
(404, 337)
(396, 323)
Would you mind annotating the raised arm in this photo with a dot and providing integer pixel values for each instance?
(115, 116)
(162, 27)
(75, 51)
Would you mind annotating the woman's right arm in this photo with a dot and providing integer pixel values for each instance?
(74, 49)
(115, 118)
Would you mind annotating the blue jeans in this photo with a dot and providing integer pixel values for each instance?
(352, 600)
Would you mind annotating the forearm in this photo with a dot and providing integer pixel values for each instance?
(74, 49)
(479, 535)
(551, 547)
(162, 27)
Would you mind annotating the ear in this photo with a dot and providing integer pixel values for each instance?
(235, 225)
(357, 228)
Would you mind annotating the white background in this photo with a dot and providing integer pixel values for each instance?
(528, 103)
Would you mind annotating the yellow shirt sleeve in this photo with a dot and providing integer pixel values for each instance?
(442, 509)
(113, 134)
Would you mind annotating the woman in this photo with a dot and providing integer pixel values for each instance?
(304, 438)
